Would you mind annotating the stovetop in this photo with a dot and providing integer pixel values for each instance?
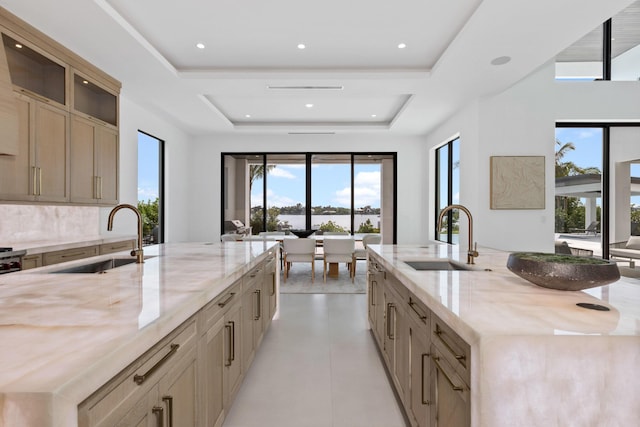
(5, 249)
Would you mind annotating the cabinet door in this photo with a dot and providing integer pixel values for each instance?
(8, 112)
(177, 391)
(107, 165)
(232, 353)
(52, 136)
(248, 326)
(82, 152)
(214, 362)
(140, 414)
(401, 350)
(16, 172)
(420, 375)
(451, 397)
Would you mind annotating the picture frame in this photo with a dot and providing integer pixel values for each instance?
(517, 182)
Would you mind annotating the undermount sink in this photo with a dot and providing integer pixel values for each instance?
(441, 264)
(98, 266)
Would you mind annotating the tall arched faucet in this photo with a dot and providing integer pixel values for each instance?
(472, 252)
(138, 253)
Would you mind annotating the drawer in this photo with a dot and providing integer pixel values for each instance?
(57, 257)
(418, 312)
(221, 304)
(252, 278)
(31, 261)
(108, 248)
(453, 348)
(138, 378)
(401, 292)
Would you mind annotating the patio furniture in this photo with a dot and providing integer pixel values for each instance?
(562, 247)
(594, 228)
(627, 250)
(299, 250)
(230, 237)
(337, 251)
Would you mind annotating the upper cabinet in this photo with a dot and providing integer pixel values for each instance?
(58, 121)
(34, 73)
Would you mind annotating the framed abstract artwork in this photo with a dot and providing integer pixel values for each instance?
(517, 182)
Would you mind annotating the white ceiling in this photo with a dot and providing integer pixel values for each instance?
(350, 70)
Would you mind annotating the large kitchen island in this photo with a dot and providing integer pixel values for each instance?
(487, 348)
(171, 337)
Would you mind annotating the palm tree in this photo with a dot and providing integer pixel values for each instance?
(257, 172)
(570, 168)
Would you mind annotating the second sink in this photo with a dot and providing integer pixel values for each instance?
(443, 264)
(98, 266)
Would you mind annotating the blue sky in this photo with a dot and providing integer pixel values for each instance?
(147, 167)
(330, 185)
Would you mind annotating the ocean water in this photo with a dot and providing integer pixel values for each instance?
(298, 221)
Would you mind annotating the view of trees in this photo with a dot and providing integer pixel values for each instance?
(150, 219)
(570, 211)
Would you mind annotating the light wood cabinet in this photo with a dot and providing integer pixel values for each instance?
(252, 323)
(159, 387)
(49, 82)
(427, 361)
(269, 290)
(109, 248)
(38, 172)
(94, 162)
(31, 261)
(56, 257)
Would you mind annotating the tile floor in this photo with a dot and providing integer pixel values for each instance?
(317, 366)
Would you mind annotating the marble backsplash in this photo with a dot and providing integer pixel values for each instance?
(30, 223)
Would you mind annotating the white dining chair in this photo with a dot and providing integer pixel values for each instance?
(337, 251)
(369, 239)
(299, 250)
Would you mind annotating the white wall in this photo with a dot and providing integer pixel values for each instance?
(177, 173)
(204, 222)
(521, 121)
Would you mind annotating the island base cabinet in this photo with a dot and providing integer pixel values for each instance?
(451, 396)
(419, 401)
(159, 387)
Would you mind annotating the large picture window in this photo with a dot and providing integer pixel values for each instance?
(329, 192)
(447, 175)
(150, 187)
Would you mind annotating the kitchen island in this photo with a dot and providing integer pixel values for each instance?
(64, 336)
(531, 357)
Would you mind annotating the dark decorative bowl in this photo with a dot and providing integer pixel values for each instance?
(303, 233)
(563, 272)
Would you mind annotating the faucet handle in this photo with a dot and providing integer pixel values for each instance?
(474, 252)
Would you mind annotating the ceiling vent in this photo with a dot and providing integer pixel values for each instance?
(306, 87)
(311, 133)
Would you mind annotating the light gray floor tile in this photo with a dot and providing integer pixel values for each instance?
(317, 366)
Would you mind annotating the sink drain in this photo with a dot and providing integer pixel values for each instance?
(592, 306)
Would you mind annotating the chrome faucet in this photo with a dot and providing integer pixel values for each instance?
(138, 253)
(472, 251)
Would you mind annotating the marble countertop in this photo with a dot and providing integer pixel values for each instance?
(536, 358)
(41, 246)
(65, 335)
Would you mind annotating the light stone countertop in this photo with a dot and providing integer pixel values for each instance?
(537, 358)
(65, 335)
(41, 246)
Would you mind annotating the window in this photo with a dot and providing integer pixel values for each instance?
(609, 52)
(150, 187)
(448, 189)
(349, 192)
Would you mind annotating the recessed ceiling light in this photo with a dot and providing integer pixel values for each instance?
(402, 45)
(200, 45)
(500, 60)
(85, 82)
(301, 46)
(374, 115)
(18, 45)
(308, 105)
(248, 116)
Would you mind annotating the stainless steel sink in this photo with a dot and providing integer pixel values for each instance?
(98, 266)
(439, 265)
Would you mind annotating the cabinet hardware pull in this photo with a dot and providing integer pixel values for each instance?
(225, 302)
(389, 306)
(444, 374)
(75, 254)
(259, 304)
(99, 187)
(438, 333)
(169, 401)
(35, 180)
(231, 327)
(39, 181)
(412, 305)
(371, 299)
(139, 379)
(424, 402)
(273, 284)
(34, 95)
(159, 412)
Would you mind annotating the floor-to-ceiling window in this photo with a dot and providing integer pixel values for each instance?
(150, 187)
(447, 174)
(348, 192)
(610, 52)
